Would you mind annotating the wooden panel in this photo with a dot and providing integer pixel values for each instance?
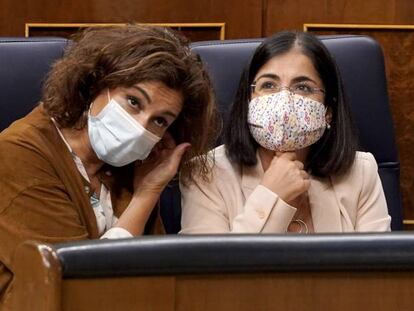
(193, 31)
(322, 291)
(295, 291)
(286, 14)
(123, 293)
(37, 279)
(242, 17)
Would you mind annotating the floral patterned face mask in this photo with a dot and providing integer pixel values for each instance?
(286, 122)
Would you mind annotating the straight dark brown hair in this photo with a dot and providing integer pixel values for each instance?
(334, 153)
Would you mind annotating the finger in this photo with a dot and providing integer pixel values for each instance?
(290, 155)
(299, 164)
(168, 141)
(155, 153)
(158, 147)
(304, 175)
(177, 154)
(306, 184)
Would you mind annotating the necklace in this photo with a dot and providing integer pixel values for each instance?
(303, 226)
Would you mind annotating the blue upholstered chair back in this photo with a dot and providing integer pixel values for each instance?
(25, 61)
(360, 61)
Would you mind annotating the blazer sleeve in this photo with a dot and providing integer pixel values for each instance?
(206, 210)
(372, 208)
(35, 204)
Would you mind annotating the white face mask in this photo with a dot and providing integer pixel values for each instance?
(286, 122)
(117, 138)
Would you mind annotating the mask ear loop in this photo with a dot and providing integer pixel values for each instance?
(328, 120)
(90, 106)
(109, 96)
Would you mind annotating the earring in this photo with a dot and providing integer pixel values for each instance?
(328, 126)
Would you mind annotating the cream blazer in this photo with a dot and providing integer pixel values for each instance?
(234, 201)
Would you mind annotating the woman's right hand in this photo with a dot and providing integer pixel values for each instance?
(151, 176)
(286, 177)
(154, 173)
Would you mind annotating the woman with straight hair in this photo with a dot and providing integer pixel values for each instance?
(290, 161)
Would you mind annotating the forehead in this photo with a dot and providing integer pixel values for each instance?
(162, 95)
(289, 65)
(159, 89)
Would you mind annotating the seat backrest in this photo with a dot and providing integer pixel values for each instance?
(24, 63)
(360, 61)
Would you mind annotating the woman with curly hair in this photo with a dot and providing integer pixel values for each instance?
(121, 112)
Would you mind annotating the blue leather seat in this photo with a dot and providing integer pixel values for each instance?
(24, 63)
(360, 61)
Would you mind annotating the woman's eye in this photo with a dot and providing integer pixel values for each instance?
(161, 122)
(268, 85)
(303, 88)
(133, 101)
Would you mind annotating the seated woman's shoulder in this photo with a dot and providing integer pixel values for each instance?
(218, 158)
(364, 163)
(217, 163)
(364, 158)
(218, 153)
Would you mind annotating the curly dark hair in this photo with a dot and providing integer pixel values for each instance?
(109, 57)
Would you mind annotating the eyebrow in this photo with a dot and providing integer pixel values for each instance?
(295, 80)
(171, 114)
(268, 75)
(143, 92)
(148, 98)
(304, 78)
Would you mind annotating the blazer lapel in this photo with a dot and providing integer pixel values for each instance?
(326, 215)
(77, 187)
(250, 177)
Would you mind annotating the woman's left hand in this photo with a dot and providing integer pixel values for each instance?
(153, 174)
